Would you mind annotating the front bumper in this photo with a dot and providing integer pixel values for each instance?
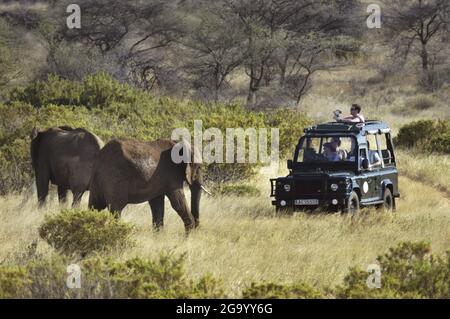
(325, 201)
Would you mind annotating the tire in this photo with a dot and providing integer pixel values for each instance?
(352, 205)
(388, 201)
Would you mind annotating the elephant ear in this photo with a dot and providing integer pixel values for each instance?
(34, 133)
(193, 166)
(189, 173)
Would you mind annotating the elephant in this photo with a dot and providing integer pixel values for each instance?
(128, 171)
(65, 157)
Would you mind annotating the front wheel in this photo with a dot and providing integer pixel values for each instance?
(388, 201)
(352, 205)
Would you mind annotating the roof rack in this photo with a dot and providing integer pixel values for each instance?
(346, 127)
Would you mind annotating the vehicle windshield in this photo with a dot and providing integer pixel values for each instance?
(321, 149)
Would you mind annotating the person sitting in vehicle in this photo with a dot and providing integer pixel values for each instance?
(374, 157)
(355, 116)
(330, 153)
(336, 143)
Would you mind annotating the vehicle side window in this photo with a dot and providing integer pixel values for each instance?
(362, 156)
(374, 157)
(385, 151)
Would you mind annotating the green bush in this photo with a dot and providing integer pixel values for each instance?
(98, 90)
(114, 110)
(105, 278)
(407, 271)
(277, 291)
(78, 232)
(425, 135)
(421, 102)
(238, 190)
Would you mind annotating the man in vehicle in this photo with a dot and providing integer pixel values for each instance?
(336, 143)
(355, 115)
(374, 157)
(331, 153)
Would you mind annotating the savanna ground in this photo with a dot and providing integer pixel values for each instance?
(241, 240)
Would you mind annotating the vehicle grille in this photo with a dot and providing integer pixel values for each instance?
(310, 186)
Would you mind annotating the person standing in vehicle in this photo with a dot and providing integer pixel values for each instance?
(355, 115)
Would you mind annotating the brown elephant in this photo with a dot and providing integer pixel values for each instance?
(129, 171)
(65, 157)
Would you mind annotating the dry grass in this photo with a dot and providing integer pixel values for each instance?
(432, 169)
(240, 239)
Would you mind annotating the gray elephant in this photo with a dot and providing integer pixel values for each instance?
(65, 157)
(129, 171)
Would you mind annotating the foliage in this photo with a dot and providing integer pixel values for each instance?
(421, 102)
(427, 135)
(102, 277)
(125, 113)
(277, 291)
(98, 90)
(239, 190)
(407, 271)
(78, 232)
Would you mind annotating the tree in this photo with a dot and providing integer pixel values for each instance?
(417, 22)
(9, 57)
(214, 44)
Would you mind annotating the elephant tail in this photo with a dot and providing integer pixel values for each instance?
(96, 200)
(34, 150)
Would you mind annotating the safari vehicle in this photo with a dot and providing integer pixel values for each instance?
(340, 167)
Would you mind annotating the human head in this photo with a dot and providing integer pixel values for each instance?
(355, 109)
(336, 142)
(328, 148)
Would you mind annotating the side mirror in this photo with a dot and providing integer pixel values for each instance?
(289, 164)
(365, 163)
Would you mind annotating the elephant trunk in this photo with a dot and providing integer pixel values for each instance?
(196, 193)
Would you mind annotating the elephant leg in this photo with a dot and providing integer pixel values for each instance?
(178, 202)
(77, 195)
(196, 192)
(95, 202)
(117, 205)
(62, 194)
(157, 207)
(42, 180)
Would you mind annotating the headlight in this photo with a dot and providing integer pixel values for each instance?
(334, 187)
(287, 187)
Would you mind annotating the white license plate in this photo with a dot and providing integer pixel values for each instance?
(306, 202)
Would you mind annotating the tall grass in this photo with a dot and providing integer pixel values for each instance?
(432, 169)
(241, 240)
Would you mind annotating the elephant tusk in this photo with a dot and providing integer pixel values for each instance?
(207, 191)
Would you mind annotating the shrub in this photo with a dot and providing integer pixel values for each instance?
(125, 112)
(102, 277)
(421, 102)
(97, 90)
(426, 135)
(407, 271)
(52, 91)
(78, 232)
(238, 190)
(277, 291)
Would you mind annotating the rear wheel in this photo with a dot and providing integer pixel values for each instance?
(352, 205)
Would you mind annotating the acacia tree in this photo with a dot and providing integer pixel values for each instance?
(214, 49)
(9, 58)
(414, 24)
